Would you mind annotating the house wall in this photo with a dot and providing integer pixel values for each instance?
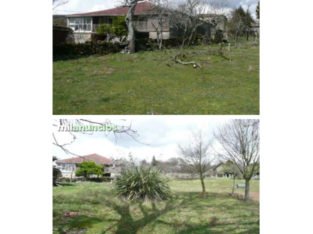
(146, 24)
(150, 23)
(153, 35)
(67, 169)
(82, 37)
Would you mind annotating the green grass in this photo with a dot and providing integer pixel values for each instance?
(99, 211)
(151, 82)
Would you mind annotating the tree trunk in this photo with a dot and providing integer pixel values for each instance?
(202, 183)
(160, 22)
(54, 182)
(130, 26)
(234, 182)
(247, 190)
(161, 40)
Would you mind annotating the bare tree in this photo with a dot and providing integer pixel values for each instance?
(57, 3)
(239, 143)
(83, 126)
(186, 19)
(240, 23)
(197, 155)
(131, 37)
(160, 9)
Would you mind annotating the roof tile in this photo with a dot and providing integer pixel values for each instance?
(98, 159)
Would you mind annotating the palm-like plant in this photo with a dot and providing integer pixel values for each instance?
(142, 183)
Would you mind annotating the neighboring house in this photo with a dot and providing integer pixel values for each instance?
(118, 166)
(222, 169)
(69, 166)
(145, 20)
(218, 23)
(255, 28)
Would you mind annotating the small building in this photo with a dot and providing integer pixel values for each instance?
(69, 166)
(255, 28)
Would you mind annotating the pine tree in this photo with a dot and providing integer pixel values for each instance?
(258, 11)
(154, 162)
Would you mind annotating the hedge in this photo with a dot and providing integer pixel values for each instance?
(76, 179)
(86, 49)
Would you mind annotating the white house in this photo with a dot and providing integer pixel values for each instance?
(69, 166)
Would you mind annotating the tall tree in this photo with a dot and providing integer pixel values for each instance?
(257, 11)
(131, 37)
(239, 143)
(160, 8)
(240, 23)
(197, 155)
(154, 161)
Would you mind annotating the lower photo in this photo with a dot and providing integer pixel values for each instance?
(155, 174)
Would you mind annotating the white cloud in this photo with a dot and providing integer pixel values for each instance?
(77, 6)
(161, 133)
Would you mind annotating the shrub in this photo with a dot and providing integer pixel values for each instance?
(104, 29)
(142, 183)
(56, 174)
(86, 49)
(218, 38)
(87, 169)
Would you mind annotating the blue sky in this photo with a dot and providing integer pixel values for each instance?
(76, 6)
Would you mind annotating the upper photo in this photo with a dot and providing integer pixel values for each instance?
(156, 57)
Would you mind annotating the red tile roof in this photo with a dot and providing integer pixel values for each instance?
(141, 9)
(98, 159)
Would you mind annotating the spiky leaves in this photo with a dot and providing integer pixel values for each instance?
(140, 183)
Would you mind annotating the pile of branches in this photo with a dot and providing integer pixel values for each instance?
(179, 58)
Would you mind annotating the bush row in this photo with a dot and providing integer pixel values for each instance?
(76, 179)
(74, 50)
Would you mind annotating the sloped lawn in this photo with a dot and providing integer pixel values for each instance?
(151, 82)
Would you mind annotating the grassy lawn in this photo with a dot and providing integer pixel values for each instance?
(96, 210)
(151, 82)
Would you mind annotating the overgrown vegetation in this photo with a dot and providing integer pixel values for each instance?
(142, 183)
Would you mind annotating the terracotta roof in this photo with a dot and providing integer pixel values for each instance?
(141, 9)
(98, 159)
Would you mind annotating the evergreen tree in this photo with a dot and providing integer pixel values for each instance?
(240, 23)
(154, 162)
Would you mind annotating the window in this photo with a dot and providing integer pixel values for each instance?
(80, 24)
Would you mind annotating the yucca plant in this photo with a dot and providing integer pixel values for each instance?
(140, 183)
